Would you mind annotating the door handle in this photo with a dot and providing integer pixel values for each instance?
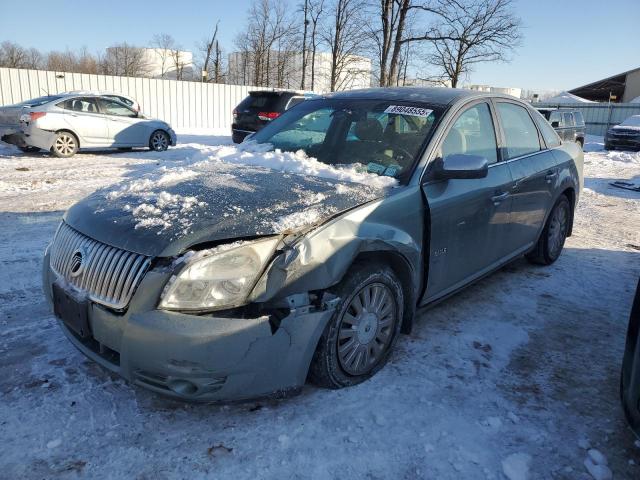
(550, 176)
(496, 199)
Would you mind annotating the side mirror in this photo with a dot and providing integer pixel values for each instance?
(460, 166)
(555, 124)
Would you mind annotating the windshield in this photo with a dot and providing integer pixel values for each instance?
(633, 121)
(382, 137)
(36, 102)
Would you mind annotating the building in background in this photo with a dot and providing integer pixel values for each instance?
(621, 88)
(285, 71)
(513, 91)
(169, 64)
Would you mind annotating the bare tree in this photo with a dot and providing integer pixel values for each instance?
(344, 35)
(315, 12)
(476, 31)
(212, 57)
(305, 28)
(125, 60)
(164, 44)
(264, 44)
(179, 62)
(13, 55)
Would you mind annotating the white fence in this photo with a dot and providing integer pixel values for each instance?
(182, 104)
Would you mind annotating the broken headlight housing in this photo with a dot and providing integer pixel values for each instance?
(219, 278)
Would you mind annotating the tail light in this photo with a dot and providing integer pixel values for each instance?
(268, 116)
(235, 113)
(33, 116)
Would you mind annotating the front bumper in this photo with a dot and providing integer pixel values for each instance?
(199, 358)
(173, 137)
(628, 142)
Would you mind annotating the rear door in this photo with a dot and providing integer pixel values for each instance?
(533, 168)
(469, 218)
(125, 128)
(83, 118)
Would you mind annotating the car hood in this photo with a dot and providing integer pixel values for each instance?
(167, 214)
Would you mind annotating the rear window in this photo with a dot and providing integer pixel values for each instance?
(260, 101)
(36, 102)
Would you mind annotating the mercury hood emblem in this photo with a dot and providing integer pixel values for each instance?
(78, 261)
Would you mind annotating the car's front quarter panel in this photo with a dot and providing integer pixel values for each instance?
(390, 226)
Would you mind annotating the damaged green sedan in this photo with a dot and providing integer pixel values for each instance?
(304, 253)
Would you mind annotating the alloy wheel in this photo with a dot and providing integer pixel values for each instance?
(366, 329)
(65, 144)
(558, 229)
(159, 141)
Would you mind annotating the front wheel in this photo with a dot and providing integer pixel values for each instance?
(159, 141)
(363, 330)
(554, 234)
(65, 145)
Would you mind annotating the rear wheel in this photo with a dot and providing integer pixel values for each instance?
(159, 141)
(65, 145)
(554, 234)
(363, 330)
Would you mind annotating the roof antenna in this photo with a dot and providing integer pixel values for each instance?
(45, 91)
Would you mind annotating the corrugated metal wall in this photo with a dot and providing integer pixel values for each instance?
(182, 104)
(598, 117)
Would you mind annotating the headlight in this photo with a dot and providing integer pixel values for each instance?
(221, 279)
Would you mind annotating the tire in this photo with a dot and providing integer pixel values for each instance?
(29, 149)
(580, 141)
(554, 234)
(354, 346)
(608, 147)
(159, 141)
(65, 145)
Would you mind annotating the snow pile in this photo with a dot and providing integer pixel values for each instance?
(262, 155)
(596, 465)
(217, 166)
(516, 466)
(165, 210)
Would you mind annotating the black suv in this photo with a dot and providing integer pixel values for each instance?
(258, 109)
(569, 124)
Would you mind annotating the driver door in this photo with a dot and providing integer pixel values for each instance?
(126, 129)
(468, 218)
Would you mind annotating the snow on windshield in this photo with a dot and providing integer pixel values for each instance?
(154, 207)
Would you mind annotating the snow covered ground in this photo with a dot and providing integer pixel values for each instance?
(516, 377)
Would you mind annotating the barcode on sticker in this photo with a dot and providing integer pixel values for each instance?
(404, 110)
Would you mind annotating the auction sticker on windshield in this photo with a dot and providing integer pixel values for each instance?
(404, 110)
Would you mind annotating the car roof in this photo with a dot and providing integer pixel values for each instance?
(95, 92)
(434, 96)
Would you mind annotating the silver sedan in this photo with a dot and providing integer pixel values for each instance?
(63, 124)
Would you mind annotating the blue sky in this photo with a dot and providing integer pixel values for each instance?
(566, 43)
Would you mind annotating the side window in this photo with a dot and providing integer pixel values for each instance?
(472, 133)
(568, 119)
(521, 134)
(548, 133)
(555, 117)
(579, 118)
(113, 107)
(87, 105)
(294, 101)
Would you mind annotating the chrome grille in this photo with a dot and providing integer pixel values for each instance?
(108, 274)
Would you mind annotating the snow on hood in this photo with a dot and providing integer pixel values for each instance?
(220, 193)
